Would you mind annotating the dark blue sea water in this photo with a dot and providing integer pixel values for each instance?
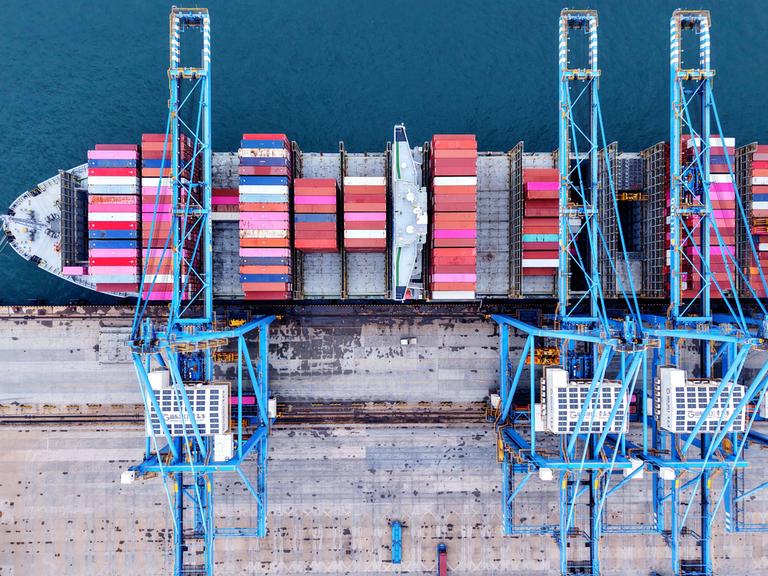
(80, 72)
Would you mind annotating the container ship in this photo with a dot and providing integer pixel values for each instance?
(439, 221)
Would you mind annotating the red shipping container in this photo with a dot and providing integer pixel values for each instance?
(365, 244)
(540, 254)
(455, 242)
(265, 269)
(315, 245)
(133, 147)
(312, 227)
(453, 286)
(442, 154)
(542, 195)
(462, 252)
(541, 175)
(315, 235)
(112, 225)
(224, 192)
(263, 207)
(267, 296)
(364, 189)
(152, 137)
(367, 225)
(453, 260)
(314, 208)
(446, 206)
(116, 287)
(315, 182)
(542, 212)
(364, 207)
(541, 246)
(265, 242)
(111, 171)
(455, 216)
(453, 269)
(265, 286)
(264, 171)
(539, 271)
(364, 199)
(450, 190)
(112, 261)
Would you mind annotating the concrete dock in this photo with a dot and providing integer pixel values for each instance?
(332, 490)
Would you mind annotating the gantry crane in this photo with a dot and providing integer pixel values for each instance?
(700, 422)
(583, 402)
(190, 441)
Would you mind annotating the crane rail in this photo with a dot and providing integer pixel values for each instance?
(290, 414)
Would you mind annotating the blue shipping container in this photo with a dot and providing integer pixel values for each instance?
(279, 198)
(263, 144)
(112, 163)
(264, 261)
(314, 217)
(264, 180)
(113, 244)
(265, 278)
(113, 234)
(254, 161)
(156, 163)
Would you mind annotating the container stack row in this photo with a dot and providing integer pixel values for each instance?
(157, 213)
(113, 217)
(264, 202)
(365, 213)
(453, 256)
(225, 204)
(541, 241)
(758, 178)
(314, 214)
(723, 197)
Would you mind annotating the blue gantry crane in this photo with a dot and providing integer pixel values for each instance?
(574, 408)
(197, 431)
(701, 404)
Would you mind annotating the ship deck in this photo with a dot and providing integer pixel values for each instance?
(319, 276)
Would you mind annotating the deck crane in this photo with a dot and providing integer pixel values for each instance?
(701, 421)
(581, 402)
(190, 441)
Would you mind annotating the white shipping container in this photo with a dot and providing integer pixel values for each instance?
(365, 181)
(541, 263)
(714, 141)
(225, 216)
(760, 205)
(760, 180)
(264, 152)
(453, 295)
(271, 189)
(368, 234)
(113, 181)
(721, 178)
(263, 233)
(153, 182)
(455, 181)
(95, 190)
(113, 217)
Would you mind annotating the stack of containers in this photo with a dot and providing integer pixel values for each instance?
(225, 204)
(265, 237)
(723, 197)
(453, 256)
(541, 242)
(113, 217)
(157, 211)
(314, 215)
(365, 213)
(758, 177)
